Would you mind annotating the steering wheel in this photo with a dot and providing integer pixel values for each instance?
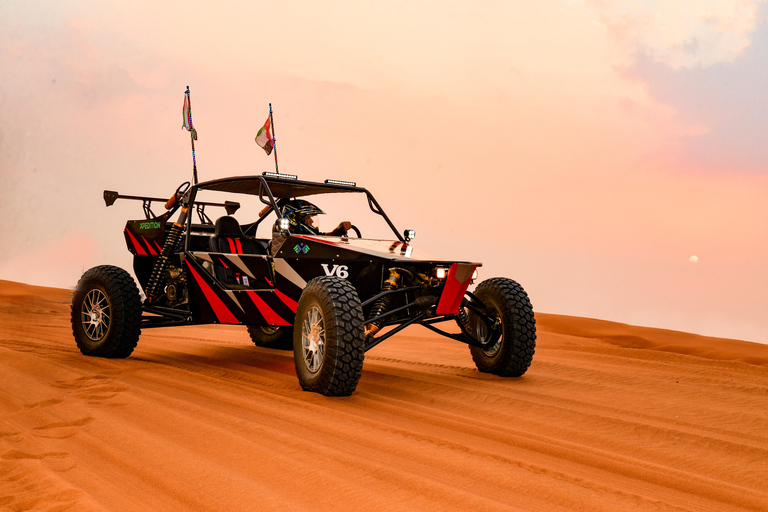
(177, 195)
(357, 231)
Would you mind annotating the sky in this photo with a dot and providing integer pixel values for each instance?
(586, 149)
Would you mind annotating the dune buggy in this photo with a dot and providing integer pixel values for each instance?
(328, 298)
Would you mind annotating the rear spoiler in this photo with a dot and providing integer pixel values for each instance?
(110, 196)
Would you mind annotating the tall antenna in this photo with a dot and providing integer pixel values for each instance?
(187, 113)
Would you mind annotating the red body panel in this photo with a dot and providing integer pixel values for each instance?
(223, 314)
(456, 284)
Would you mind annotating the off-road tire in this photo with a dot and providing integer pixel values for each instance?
(507, 300)
(118, 335)
(280, 339)
(341, 318)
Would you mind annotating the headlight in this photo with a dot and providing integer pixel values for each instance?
(283, 224)
(442, 273)
(439, 272)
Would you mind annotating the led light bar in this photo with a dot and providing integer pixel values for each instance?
(339, 182)
(280, 175)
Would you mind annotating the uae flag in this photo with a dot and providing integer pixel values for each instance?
(187, 114)
(264, 138)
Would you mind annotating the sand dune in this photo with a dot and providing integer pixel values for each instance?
(609, 417)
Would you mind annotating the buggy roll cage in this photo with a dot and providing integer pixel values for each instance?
(239, 184)
(285, 188)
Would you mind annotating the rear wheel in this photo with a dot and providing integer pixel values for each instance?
(328, 338)
(511, 337)
(279, 338)
(106, 313)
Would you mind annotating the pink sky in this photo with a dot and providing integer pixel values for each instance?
(586, 149)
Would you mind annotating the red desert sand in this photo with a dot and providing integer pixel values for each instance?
(609, 417)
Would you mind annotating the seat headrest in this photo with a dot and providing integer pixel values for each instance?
(228, 226)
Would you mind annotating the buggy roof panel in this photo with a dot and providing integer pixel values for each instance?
(280, 188)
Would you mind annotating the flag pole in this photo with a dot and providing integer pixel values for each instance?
(274, 144)
(192, 136)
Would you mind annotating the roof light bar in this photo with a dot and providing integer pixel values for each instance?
(280, 175)
(339, 182)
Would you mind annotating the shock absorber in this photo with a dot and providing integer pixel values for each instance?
(171, 242)
(463, 318)
(382, 305)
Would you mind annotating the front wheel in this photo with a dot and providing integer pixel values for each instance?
(511, 337)
(106, 313)
(279, 338)
(328, 337)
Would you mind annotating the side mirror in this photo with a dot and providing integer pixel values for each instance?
(409, 234)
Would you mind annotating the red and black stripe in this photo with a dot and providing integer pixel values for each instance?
(212, 304)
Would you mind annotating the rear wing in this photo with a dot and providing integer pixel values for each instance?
(110, 196)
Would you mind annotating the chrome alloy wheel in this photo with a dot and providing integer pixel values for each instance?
(313, 339)
(95, 314)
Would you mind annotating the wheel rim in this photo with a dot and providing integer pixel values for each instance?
(313, 339)
(95, 314)
(482, 333)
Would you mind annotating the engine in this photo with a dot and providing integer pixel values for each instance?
(175, 286)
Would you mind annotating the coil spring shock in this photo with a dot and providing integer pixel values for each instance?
(382, 305)
(171, 242)
(462, 318)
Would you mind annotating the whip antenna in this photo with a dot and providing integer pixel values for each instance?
(187, 113)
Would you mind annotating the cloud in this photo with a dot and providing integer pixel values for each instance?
(681, 34)
(705, 62)
(727, 99)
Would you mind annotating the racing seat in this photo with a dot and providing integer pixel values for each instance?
(228, 237)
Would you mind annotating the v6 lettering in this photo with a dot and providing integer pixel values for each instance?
(341, 271)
